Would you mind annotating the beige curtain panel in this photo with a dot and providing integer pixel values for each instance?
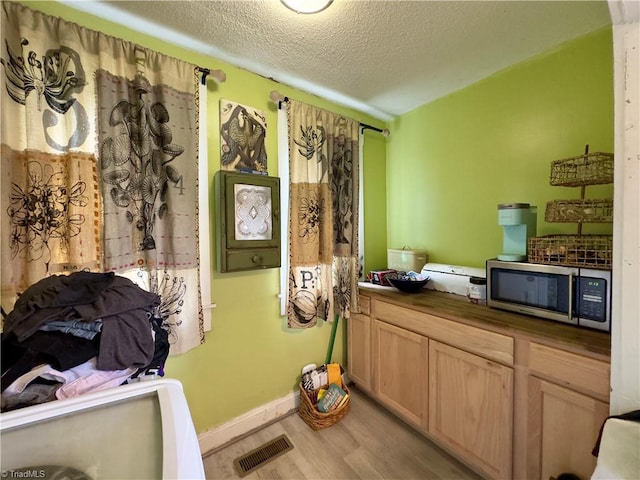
(323, 218)
(99, 164)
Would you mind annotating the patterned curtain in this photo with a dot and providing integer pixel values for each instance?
(99, 147)
(323, 215)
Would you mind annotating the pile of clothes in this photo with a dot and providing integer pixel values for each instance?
(72, 334)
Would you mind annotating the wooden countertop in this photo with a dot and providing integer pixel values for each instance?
(458, 308)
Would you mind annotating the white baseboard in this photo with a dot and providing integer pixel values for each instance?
(247, 422)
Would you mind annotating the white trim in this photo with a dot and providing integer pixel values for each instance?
(361, 203)
(203, 211)
(247, 422)
(283, 172)
(625, 326)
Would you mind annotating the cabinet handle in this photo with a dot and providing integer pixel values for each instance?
(256, 259)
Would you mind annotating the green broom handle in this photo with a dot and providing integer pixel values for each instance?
(334, 329)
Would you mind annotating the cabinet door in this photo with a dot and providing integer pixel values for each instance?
(471, 407)
(359, 350)
(563, 430)
(247, 221)
(400, 371)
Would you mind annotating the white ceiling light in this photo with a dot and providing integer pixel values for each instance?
(306, 6)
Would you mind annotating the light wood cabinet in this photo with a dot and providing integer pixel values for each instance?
(471, 407)
(564, 428)
(503, 401)
(359, 345)
(400, 371)
(359, 350)
(494, 346)
(564, 423)
(570, 369)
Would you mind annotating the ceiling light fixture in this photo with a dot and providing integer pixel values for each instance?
(306, 6)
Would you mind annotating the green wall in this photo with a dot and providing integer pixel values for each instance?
(434, 183)
(451, 162)
(250, 357)
(375, 201)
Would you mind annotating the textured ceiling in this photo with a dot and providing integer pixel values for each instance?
(380, 57)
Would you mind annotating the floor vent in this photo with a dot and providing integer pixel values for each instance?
(256, 458)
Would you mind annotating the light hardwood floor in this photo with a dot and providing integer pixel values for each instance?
(369, 443)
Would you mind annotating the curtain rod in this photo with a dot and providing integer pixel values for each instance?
(385, 132)
(278, 98)
(218, 75)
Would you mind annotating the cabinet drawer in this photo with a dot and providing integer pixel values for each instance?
(239, 260)
(365, 304)
(570, 368)
(491, 345)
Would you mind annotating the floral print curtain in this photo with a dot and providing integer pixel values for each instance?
(99, 146)
(323, 218)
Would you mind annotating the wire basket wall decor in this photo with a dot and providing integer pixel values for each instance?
(585, 211)
(592, 251)
(588, 169)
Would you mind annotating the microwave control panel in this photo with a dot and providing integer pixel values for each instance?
(592, 298)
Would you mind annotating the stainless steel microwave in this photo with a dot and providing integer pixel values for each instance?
(578, 296)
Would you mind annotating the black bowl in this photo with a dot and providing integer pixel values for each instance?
(408, 286)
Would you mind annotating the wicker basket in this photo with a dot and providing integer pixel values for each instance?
(585, 211)
(593, 251)
(315, 418)
(589, 169)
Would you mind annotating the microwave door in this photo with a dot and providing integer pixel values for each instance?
(544, 294)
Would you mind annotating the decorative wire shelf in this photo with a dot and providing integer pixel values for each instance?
(588, 169)
(582, 211)
(593, 251)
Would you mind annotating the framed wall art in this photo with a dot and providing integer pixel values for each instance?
(248, 221)
(243, 131)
